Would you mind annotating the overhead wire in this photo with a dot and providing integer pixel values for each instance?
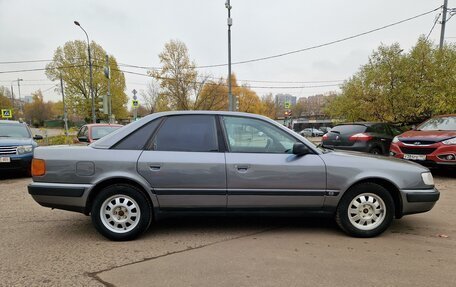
(433, 26)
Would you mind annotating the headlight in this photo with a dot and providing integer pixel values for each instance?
(450, 141)
(24, 149)
(395, 139)
(427, 178)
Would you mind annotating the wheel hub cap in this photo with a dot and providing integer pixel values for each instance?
(366, 211)
(120, 213)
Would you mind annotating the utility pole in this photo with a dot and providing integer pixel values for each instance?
(19, 89)
(12, 96)
(444, 20)
(108, 76)
(65, 115)
(230, 23)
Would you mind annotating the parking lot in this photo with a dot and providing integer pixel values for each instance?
(44, 247)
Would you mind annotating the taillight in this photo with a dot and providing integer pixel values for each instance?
(325, 137)
(38, 167)
(360, 137)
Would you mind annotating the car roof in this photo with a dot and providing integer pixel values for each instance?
(103, 125)
(367, 124)
(9, 122)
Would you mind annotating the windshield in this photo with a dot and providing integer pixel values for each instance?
(14, 131)
(439, 124)
(99, 132)
(349, 129)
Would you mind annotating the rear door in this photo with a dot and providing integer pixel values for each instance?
(340, 135)
(381, 136)
(184, 165)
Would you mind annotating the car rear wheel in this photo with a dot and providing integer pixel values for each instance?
(365, 210)
(121, 212)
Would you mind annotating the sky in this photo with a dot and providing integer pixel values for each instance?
(136, 31)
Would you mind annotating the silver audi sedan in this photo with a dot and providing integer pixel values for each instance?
(220, 163)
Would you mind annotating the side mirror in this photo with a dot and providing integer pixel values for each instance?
(300, 149)
(38, 137)
(83, 139)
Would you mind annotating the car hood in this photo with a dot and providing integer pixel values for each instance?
(366, 160)
(15, 141)
(428, 136)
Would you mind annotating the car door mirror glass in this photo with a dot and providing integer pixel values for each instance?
(83, 139)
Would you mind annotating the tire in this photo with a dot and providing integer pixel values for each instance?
(373, 214)
(121, 212)
(376, 150)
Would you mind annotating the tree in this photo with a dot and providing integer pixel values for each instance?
(268, 106)
(38, 110)
(151, 96)
(71, 63)
(5, 98)
(400, 87)
(177, 76)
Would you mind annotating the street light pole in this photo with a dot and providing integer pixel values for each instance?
(229, 22)
(12, 96)
(94, 116)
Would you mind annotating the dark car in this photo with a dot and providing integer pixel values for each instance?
(16, 146)
(373, 138)
(93, 132)
(433, 143)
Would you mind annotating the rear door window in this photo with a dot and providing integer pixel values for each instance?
(191, 133)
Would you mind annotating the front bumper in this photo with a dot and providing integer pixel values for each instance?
(72, 197)
(17, 162)
(419, 200)
(433, 159)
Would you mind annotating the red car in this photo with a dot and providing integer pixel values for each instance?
(433, 143)
(92, 132)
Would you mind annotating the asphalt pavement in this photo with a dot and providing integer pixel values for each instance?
(44, 247)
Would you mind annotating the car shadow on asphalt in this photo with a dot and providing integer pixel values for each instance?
(232, 223)
(12, 175)
(444, 173)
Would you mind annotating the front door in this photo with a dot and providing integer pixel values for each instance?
(262, 171)
(184, 165)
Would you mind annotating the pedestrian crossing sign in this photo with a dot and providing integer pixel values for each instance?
(7, 113)
(135, 103)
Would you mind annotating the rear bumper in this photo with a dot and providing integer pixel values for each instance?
(421, 200)
(72, 197)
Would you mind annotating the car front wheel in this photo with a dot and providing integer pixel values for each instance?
(121, 212)
(365, 210)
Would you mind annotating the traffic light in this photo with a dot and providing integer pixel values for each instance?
(286, 113)
(104, 105)
(236, 103)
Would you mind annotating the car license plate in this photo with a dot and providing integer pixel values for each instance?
(415, 156)
(5, 159)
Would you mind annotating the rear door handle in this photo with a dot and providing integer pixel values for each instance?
(155, 167)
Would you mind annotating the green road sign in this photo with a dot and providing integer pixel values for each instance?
(287, 105)
(7, 113)
(135, 103)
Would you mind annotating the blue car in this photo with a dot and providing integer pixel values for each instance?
(16, 146)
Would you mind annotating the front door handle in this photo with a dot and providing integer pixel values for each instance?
(242, 168)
